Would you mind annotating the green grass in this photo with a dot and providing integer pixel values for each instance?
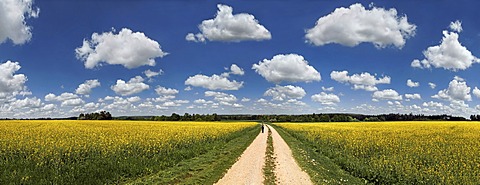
(269, 168)
(207, 168)
(321, 169)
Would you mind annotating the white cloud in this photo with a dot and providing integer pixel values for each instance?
(457, 91)
(73, 102)
(87, 87)
(432, 104)
(27, 103)
(133, 86)
(11, 84)
(234, 69)
(413, 96)
(170, 104)
(13, 15)
(476, 92)
(119, 104)
(387, 94)
(49, 107)
(282, 93)
(227, 27)
(201, 101)
(134, 99)
(166, 91)
(411, 83)
(456, 26)
(328, 89)
(61, 97)
(326, 99)
(245, 100)
(355, 24)
(214, 82)
(450, 55)
(150, 74)
(66, 99)
(127, 48)
(220, 96)
(364, 81)
(432, 85)
(287, 68)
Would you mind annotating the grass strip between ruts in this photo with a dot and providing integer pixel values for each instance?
(269, 168)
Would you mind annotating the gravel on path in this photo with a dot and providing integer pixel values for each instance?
(287, 169)
(248, 168)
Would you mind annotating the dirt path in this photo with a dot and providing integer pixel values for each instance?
(248, 169)
(287, 169)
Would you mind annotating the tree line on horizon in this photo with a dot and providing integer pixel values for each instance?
(329, 117)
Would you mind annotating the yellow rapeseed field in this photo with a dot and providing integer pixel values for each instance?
(399, 152)
(97, 152)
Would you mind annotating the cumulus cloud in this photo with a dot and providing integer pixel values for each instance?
(287, 68)
(11, 84)
(364, 81)
(66, 99)
(214, 82)
(166, 91)
(13, 15)
(133, 86)
(457, 90)
(355, 24)
(27, 103)
(329, 89)
(221, 98)
(456, 26)
(432, 104)
(476, 92)
(150, 74)
(387, 94)
(432, 85)
(413, 96)
(450, 55)
(326, 99)
(87, 86)
(228, 27)
(127, 48)
(234, 69)
(134, 99)
(411, 83)
(282, 93)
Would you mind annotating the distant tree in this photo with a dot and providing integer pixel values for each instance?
(103, 115)
(324, 118)
(175, 117)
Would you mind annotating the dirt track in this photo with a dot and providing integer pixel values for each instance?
(248, 169)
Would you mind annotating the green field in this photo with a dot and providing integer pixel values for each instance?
(387, 152)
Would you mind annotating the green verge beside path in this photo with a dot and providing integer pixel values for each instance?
(206, 168)
(321, 169)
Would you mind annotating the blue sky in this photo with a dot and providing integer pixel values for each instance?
(62, 58)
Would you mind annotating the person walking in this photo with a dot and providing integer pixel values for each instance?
(262, 127)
